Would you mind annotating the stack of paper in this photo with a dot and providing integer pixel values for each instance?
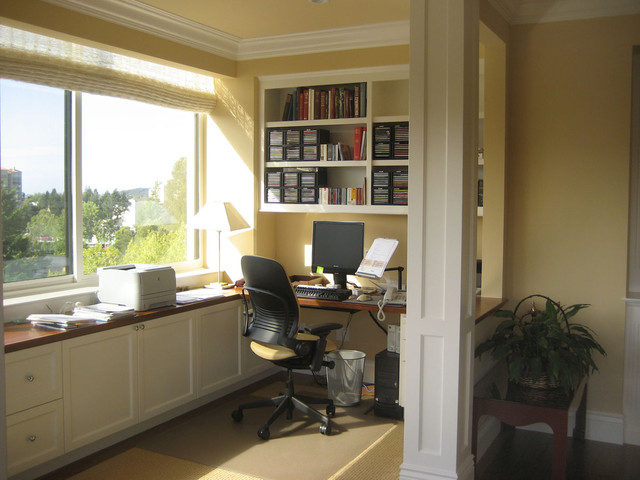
(58, 321)
(103, 312)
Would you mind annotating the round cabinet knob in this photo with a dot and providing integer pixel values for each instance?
(29, 378)
(32, 438)
(142, 327)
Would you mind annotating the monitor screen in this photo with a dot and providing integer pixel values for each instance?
(337, 248)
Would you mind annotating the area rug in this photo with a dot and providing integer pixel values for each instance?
(142, 464)
(295, 450)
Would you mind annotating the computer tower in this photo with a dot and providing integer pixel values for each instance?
(387, 378)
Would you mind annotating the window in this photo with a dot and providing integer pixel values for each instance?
(137, 169)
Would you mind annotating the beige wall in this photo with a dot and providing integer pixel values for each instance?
(568, 174)
(284, 236)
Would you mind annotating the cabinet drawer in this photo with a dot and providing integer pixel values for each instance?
(34, 436)
(33, 377)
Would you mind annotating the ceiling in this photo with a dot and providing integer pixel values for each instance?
(246, 29)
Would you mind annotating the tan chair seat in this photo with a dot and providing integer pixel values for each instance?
(271, 351)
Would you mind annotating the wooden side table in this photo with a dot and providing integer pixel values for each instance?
(518, 406)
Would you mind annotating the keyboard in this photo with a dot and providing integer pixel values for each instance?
(322, 293)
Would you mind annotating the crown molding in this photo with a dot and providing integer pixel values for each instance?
(139, 16)
(365, 36)
(518, 12)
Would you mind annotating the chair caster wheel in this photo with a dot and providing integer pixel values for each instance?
(237, 415)
(325, 429)
(331, 411)
(264, 433)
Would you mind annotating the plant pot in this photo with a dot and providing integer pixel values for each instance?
(541, 383)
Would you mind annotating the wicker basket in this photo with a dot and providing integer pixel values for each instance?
(541, 383)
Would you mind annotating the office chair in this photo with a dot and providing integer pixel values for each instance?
(271, 315)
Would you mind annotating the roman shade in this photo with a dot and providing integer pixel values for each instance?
(34, 58)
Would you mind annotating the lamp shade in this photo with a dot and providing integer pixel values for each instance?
(218, 216)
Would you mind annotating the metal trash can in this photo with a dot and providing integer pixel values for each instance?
(344, 380)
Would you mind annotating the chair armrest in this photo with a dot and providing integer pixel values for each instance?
(322, 328)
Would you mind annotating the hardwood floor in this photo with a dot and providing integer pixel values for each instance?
(525, 455)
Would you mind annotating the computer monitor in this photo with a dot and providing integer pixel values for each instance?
(337, 248)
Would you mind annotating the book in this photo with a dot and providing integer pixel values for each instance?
(357, 143)
(286, 113)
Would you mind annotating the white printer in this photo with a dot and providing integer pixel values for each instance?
(137, 286)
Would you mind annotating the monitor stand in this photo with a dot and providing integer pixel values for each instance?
(340, 279)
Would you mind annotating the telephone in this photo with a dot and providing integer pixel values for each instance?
(391, 297)
(394, 297)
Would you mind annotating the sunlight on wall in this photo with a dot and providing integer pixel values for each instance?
(228, 179)
(232, 105)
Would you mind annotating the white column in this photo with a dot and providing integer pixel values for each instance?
(440, 310)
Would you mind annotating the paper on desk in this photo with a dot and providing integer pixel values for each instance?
(377, 258)
(190, 296)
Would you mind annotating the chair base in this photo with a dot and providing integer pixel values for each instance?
(287, 402)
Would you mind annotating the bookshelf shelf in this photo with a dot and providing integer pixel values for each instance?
(293, 149)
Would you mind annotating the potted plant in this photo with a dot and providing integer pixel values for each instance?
(541, 347)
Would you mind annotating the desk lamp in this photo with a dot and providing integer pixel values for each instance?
(221, 217)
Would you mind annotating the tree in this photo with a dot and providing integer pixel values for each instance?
(99, 256)
(46, 230)
(14, 222)
(175, 192)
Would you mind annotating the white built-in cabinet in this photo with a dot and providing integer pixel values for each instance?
(34, 406)
(68, 394)
(385, 96)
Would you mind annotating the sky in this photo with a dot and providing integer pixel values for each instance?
(125, 144)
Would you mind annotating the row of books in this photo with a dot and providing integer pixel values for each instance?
(317, 103)
(341, 196)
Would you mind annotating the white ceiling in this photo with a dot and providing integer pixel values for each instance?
(245, 29)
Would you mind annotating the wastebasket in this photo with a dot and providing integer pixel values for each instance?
(344, 380)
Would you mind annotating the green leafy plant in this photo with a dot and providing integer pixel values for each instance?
(542, 347)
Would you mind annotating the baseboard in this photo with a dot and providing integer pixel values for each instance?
(601, 427)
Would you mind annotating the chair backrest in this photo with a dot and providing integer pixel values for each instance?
(274, 303)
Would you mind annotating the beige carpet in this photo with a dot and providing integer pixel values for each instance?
(141, 464)
(380, 461)
(210, 437)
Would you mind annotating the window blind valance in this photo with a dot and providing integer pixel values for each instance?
(34, 58)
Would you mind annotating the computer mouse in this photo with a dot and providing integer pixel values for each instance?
(364, 298)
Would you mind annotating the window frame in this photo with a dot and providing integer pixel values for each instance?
(73, 194)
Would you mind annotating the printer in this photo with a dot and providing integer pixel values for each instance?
(137, 286)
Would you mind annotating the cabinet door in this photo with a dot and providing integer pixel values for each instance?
(166, 363)
(100, 385)
(33, 377)
(34, 436)
(219, 333)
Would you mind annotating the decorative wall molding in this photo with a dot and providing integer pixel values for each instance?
(138, 16)
(154, 21)
(518, 12)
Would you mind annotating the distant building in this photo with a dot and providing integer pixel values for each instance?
(12, 179)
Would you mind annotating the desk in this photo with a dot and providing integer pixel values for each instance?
(517, 406)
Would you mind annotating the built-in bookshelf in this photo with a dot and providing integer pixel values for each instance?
(318, 150)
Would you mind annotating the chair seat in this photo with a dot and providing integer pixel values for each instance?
(275, 352)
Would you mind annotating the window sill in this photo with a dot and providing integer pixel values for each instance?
(62, 299)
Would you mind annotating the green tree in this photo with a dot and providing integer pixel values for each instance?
(98, 256)
(157, 246)
(175, 192)
(15, 216)
(45, 230)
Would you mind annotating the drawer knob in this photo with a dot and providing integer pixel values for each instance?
(32, 438)
(29, 378)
